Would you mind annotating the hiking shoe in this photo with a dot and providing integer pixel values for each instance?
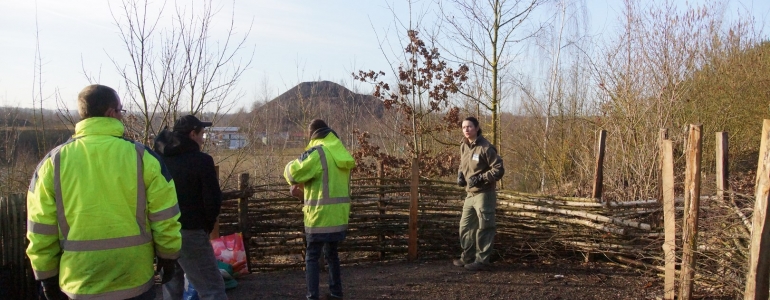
(476, 266)
(458, 262)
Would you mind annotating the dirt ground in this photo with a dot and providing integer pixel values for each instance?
(542, 279)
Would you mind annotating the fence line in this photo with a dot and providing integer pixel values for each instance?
(379, 224)
(16, 279)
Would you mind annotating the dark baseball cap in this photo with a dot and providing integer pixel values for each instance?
(189, 123)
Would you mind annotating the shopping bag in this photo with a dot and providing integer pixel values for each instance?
(230, 250)
(189, 291)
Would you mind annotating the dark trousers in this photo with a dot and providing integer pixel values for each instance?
(312, 269)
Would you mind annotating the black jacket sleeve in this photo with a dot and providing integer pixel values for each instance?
(212, 194)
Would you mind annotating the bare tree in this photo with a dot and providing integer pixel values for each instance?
(37, 91)
(182, 69)
(486, 32)
(559, 104)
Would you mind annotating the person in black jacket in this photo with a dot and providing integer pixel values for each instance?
(200, 197)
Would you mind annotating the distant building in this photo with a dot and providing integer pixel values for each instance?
(226, 137)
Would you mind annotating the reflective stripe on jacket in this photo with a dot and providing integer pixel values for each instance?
(99, 209)
(324, 169)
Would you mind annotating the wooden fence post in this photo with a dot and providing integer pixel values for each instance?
(723, 171)
(381, 207)
(691, 205)
(662, 136)
(16, 278)
(659, 217)
(599, 169)
(413, 210)
(598, 179)
(243, 215)
(669, 218)
(758, 274)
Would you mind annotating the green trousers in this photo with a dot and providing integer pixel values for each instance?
(477, 226)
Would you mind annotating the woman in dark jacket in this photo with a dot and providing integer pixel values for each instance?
(200, 197)
(480, 169)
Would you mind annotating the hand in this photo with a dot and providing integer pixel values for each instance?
(475, 180)
(297, 191)
(461, 179)
(166, 269)
(51, 289)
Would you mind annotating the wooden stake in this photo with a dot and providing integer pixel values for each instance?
(599, 170)
(658, 217)
(381, 205)
(691, 205)
(662, 136)
(722, 165)
(413, 210)
(598, 179)
(758, 276)
(243, 215)
(669, 218)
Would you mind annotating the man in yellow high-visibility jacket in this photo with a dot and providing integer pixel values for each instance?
(323, 171)
(100, 208)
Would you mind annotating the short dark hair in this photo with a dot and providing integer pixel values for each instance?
(314, 125)
(94, 101)
(475, 123)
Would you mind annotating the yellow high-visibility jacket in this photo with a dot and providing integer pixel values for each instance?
(99, 209)
(324, 169)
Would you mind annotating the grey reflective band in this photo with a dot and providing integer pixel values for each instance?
(325, 174)
(317, 202)
(141, 192)
(330, 229)
(106, 244)
(40, 275)
(60, 217)
(40, 228)
(287, 172)
(110, 243)
(165, 214)
(325, 199)
(122, 294)
(325, 184)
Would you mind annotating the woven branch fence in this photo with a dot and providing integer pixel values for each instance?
(527, 224)
(16, 278)
(628, 233)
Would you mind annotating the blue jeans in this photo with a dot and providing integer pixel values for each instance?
(198, 262)
(312, 271)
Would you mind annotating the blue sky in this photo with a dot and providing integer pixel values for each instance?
(292, 42)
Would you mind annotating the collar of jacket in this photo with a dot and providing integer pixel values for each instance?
(321, 133)
(342, 157)
(475, 142)
(99, 126)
